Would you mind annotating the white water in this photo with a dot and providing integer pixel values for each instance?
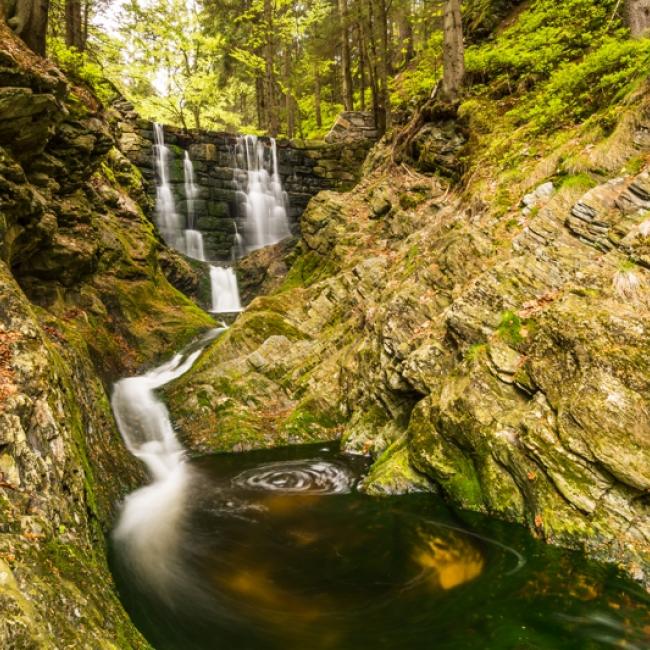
(194, 245)
(264, 201)
(191, 189)
(170, 222)
(238, 248)
(151, 523)
(225, 292)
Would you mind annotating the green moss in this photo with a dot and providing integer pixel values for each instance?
(392, 473)
(307, 269)
(582, 182)
(627, 266)
(310, 418)
(635, 165)
(476, 352)
(411, 260)
(509, 328)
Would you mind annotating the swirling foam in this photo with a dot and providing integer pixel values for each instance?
(300, 476)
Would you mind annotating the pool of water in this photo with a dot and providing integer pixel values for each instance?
(278, 550)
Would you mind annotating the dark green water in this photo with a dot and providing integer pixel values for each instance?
(277, 550)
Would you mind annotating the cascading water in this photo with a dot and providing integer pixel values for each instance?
(170, 222)
(264, 201)
(191, 189)
(238, 246)
(193, 238)
(151, 519)
(225, 292)
(189, 241)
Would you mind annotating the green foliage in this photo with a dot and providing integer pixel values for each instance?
(416, 83)
(578, 182)
(576, 90)
(544, 36)
(475, 352)
(83, 67)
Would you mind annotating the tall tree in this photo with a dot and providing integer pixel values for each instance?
(74, 26)
(28, 19)
(384, 66)
(453, 51)
(638, 17)
(269, 71)
(346, 64)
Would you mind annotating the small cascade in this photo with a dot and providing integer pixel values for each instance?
(189, 240)
(170, 222)
(264, 200)
(225, 291)
(191, 190)
(151, 520)
(194, 245)
(238, 249)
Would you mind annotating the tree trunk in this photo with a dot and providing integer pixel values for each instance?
(269, 76)
(384, 68)
(73, 24)
(288, 97)
(28, 19)
(371, 57)
(346, 72)
(259, 102)
(362, 67)
(405, 34)
(637, 14)
(86, 20)
(317, 97)
(453, 51)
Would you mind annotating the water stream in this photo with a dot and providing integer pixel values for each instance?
(264, 202)
(273, 550)
(279, 550)
(181, 232)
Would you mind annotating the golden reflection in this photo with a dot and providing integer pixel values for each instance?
(452, 561)
(271, 601)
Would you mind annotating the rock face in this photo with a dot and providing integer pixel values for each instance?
(306, 168)
(83, 301)
(504, 362)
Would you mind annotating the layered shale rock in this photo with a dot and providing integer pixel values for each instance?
(503, 361)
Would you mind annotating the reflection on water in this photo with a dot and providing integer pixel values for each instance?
(449, 562)
(280, 551)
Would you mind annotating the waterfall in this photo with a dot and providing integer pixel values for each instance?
(238, 246)
(264, 200)
(194, 245)
(150, 522)
(189, 241)
(191, 190)
(225, 292)
(170, 222)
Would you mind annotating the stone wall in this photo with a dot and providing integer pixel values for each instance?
(306, 168)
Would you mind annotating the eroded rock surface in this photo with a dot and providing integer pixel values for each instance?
(501, 360)
(82, 302)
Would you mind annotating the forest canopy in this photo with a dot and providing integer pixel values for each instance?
(288, 67)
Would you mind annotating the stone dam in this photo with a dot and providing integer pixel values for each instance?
(306, 167)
